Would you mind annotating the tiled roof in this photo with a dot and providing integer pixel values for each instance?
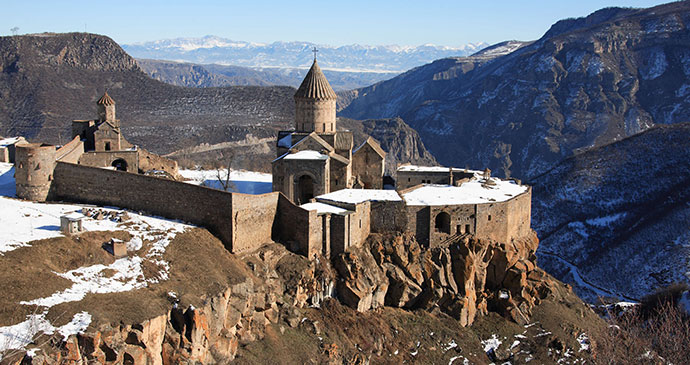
(106, 100)
(315, 85)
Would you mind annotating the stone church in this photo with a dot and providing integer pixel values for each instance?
(316, 158)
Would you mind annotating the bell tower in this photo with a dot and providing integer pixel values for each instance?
(315, 103)
(106, 110)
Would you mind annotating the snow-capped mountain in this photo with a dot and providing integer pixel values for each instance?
(355, 57)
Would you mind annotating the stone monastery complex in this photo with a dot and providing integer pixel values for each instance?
(328, 194)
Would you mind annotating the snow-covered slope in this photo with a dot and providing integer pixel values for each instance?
(618, 214)
(24, 222)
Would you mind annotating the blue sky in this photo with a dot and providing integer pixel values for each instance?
(402, 22)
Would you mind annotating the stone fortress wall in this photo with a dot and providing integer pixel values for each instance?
(242, 222)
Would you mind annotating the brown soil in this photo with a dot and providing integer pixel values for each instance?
(200, 267)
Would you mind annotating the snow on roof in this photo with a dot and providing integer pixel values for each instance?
(322, 208)
(74, 216)
(423, 168)
(355, 196)
(471, 192)
(306, 155)
(415, 168)
(9, 141)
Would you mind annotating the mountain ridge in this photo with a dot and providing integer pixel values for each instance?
(585, 83)
(212, 49)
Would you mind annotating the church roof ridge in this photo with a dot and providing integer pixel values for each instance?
(315, 85)
(105, 100)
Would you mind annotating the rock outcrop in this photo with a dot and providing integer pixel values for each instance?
(282, 282)
(463, 279)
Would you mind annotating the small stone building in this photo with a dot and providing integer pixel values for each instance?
(71, 223)
(7, 148)
(316, 158)
(105, 146)
(408, 175)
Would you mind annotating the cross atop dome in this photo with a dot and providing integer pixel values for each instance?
(314, 50)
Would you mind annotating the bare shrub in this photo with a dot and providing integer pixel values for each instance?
(656, 332)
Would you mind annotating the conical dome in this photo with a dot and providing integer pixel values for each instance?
(105, 100)
(315, 85)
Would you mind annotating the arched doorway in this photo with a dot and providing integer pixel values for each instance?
(442, 223)
(305, 189)
(120, 164)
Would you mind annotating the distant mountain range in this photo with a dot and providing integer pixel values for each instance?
(519, 108)
(290, 55)
(214, 75)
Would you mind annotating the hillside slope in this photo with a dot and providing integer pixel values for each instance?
(214, 75)
(619, 213)
(586, 82)
(47, 80)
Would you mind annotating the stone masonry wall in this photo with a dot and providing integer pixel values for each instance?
(388, 216)
(295, 225)
(106, 159)
(149, 161)
(500, 221)
(71, 152)
(33, 172)
(252, 220)
(176, 200)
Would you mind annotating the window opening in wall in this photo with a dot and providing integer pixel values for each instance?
(408, 179)
(336, 181)
(442, 222)
(107, 146)
(489, 216)
(360, 223)
(120, 164)
(467, 228)
(305, 186)
(38, 166)
(457, 229)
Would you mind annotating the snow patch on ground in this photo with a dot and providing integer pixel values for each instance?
(491, 344)
(25, 221)
(17, 336)
(245, 182)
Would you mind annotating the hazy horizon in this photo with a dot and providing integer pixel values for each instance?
(402, 23)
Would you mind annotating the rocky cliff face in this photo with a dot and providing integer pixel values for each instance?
(277, 285)
(267, 306)
(401, 143)
(467, 278)
(586, 82)
(613, 221)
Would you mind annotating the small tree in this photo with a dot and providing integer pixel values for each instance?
(224, 180)
(14, 30)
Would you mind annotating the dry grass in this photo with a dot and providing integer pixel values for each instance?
(657, 331)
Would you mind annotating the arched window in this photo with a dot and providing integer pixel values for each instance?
(442, 223)
(120, 164)
(305, 186)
